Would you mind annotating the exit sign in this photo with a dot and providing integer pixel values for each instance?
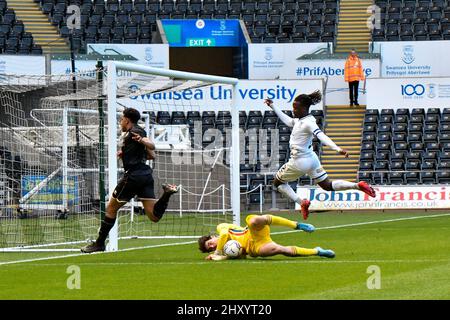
(201, 42)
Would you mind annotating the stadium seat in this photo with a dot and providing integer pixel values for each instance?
(399, 137)
(369, 146)
(414, 155)
(396, 178)
(417, 146)
(443, 177)
(367, 156)
(368, 137)
(401, 146)
(365, 176)
(412, 178)
(366, 166)
(398, 155)
(400, 128)
(428, 177)
(384, 136)
(412, 165)
(415, 137)
(430, 155)
(385, 145)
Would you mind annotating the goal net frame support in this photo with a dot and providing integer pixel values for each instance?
(113, 67)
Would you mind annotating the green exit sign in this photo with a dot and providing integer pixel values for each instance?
(201, 42)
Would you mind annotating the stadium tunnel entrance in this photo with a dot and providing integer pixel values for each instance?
(219, 61)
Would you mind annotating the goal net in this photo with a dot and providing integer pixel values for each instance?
(50, 151)
(195, 143)
(59, 138)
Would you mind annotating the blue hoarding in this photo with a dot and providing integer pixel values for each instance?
(202, 33)
(52, 192)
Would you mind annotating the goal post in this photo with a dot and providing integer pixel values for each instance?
(180, 81)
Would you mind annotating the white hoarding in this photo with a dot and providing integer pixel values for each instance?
(332, 71)
(250, 95)
(153, 55)
(408, 93)
(265, 60)
(388, 197)
(414, 58)
(84, 67)
(22, 65)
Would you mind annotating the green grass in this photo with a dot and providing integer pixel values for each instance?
(413, 256)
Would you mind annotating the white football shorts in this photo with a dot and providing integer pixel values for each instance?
(295, 168)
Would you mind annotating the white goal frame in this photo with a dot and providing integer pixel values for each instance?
(113, 67)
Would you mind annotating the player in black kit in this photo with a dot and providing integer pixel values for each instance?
(137, 180)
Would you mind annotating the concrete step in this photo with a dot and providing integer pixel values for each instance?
(340, 171)
(339, 117)
(353, 139)
(351, 40)
(338, 106)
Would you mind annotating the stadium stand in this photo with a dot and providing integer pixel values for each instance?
(128, 21)
(13, 37)
(405, 146)
(405, 20)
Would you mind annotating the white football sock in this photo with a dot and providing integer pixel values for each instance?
(338, 185)
(289, 192)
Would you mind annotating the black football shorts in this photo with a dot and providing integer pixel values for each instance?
(134, 185)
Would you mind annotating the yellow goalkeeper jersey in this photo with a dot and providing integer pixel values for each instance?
(228, 231)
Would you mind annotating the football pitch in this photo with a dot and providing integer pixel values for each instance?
(395, 255)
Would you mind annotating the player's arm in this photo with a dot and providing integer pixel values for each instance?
(326, 140)
(283, 116)
(217, 255)
(147, 142)
(151, 155)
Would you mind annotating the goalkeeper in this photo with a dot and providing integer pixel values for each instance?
(255, 239)
(137, 180)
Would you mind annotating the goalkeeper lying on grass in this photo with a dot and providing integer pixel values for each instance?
(255, 239)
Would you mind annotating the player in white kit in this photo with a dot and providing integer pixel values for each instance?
(303, 159)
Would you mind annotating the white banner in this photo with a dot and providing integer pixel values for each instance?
(22, 65)
(265, 60)
(388, 197)
(414, 58)
(84, 67)
(250, 95)
(152, 55)
(408, 93)
(337, 92)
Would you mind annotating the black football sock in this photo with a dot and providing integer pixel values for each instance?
(105, 227)
(161, 205)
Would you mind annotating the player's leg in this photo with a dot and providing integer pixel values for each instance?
(340, 185)
(271, 249)
(320, 177)
(124, 191)
(258, 222)
(155, 208)
(106, 225)
(285, 174)
(108, 222)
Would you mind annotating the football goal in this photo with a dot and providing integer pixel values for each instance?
(59, 141)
